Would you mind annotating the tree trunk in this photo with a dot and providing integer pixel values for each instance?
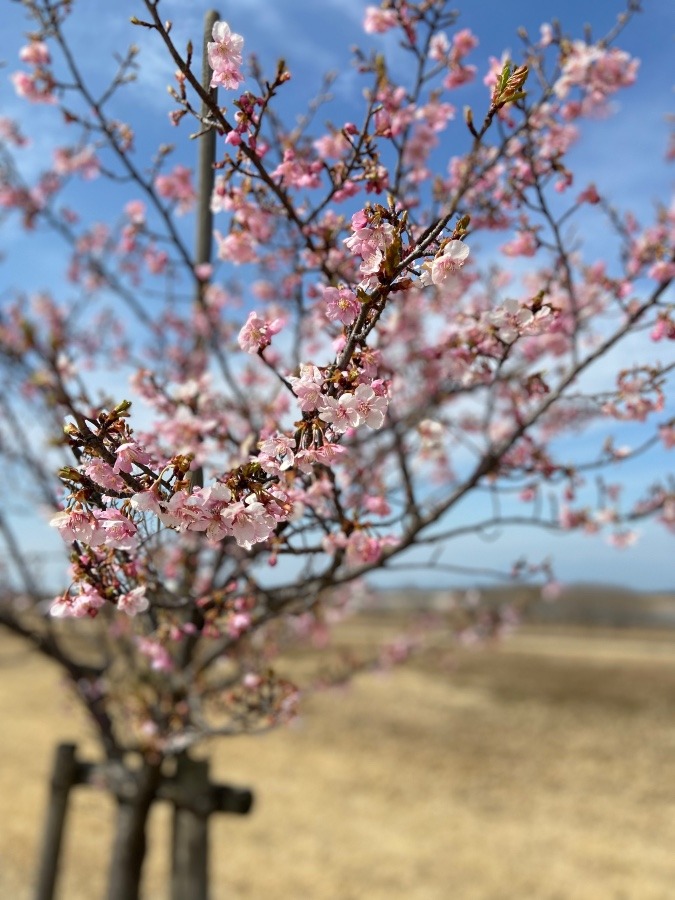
(134, 801)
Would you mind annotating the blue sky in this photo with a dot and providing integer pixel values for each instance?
(623, 155)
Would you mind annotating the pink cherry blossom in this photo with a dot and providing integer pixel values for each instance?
(297, 172)
(136, 211)
(37, 87)
(464, 41)
(326, 455)
(277, 453)
(597, 71)
(36, 53)
(183, 511)
(257, 333)
(226, 47)
(370, 407)
(439, 47)
(370, 241)
(119, 531)
(250, 522)
(238, 247)
(238, 623)
(177, 186)
(129, 455)
(363, 548)
(623, 538)
(333, 145)
(449, 261)
(225, 56)
(458, 76)
(378, 20)
(664, 327)
(11, 133)
(377, 505)
(102, 473)
(524, 244)
(307, 387)
(340, 412)
(662, 270)
(341, 304)
(147, 501)
(68, 160)
(134, 601)
(86, 602)
(77, 524)
(159, 657)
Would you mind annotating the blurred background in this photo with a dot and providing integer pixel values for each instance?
(539, 766)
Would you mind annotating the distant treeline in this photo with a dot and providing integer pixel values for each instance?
(596, 605)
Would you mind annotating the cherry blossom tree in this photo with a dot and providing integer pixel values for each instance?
(330, 389)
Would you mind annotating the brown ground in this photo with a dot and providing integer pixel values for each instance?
(544, 770)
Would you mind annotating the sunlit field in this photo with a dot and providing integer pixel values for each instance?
(543, 768)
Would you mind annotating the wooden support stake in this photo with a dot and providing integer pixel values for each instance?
(221, 798)
(190, 856)
(206, 158)
(190, 792)
(64, 777)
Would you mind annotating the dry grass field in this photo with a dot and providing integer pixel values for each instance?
(542, 769)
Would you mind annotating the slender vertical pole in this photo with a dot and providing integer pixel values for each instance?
(63, 779)
(190, 875)
(206, 178)
(206, 158)
(190, 856)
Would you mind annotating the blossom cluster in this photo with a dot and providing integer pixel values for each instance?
(214, 511)
(38, 85)
(348, 365)
(225, 57)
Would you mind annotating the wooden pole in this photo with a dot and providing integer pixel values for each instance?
(206, 155)
(190, 856)
(206, 158)
(194, 800)
(64, 776)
